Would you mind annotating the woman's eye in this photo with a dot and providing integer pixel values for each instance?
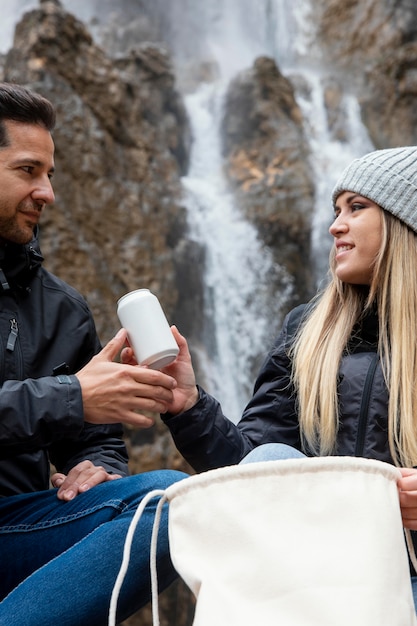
(357, 206)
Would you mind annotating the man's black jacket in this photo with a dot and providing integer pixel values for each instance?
(47, 334)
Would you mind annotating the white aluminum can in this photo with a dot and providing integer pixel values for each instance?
(149, 334)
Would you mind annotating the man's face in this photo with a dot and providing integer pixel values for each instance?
(26, 168)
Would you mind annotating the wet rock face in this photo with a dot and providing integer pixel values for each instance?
(122, 141)
(267, 163)
(389, 107)
(371, 46)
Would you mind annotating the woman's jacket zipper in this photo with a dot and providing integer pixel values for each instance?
(364, 408)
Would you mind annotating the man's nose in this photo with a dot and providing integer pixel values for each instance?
(44, 192)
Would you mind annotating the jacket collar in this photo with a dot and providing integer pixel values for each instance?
(18, 264)
(365, 333)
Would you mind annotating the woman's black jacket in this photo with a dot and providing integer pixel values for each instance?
(207, 439)
(46, 335)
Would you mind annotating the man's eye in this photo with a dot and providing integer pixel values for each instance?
(27, 168)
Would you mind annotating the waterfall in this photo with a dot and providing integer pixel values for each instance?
(328, 157)
(227, 36)
(231, 35)
(238, 267)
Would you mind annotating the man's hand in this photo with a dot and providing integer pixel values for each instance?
(119, 392)
(185, 393)
(79, 479)
(407, 486)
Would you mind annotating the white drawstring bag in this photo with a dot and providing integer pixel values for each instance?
(298, 542)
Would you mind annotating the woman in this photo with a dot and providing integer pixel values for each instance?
(340, 378)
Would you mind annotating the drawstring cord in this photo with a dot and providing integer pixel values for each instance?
(126, 556)
(154, 573)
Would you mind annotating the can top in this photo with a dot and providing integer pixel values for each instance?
(136, 292)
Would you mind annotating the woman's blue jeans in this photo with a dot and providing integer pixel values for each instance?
(280, 451)
(59, 560)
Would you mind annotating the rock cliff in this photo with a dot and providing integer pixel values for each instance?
(372, 48)
(122, 141)
(266, 156)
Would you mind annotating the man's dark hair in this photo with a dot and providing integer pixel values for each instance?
(20, 104)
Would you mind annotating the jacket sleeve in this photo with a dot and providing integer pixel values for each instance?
(102, 445)
(207, 439)
(40, 407)
(37, 412)
(49, 414)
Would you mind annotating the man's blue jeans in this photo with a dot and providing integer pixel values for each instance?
(59, 560)
(280, 451)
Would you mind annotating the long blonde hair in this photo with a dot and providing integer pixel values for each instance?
(323, 338)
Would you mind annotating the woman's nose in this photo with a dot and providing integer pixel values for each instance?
(339, 225)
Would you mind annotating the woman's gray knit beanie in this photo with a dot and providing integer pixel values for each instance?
(388, 178)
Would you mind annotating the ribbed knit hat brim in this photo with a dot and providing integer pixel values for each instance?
(388, 178)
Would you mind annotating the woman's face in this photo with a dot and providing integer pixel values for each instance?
(357, 231)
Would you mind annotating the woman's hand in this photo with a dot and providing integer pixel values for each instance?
(407, 486)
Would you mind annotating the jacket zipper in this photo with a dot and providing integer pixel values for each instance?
(14, 331)
(364, 410)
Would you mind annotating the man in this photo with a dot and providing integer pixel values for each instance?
(62, 399)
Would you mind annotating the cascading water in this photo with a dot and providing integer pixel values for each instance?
(328, 158)
(233, 34)
(237, 265)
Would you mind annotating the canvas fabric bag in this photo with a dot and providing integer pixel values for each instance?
(298, 542)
